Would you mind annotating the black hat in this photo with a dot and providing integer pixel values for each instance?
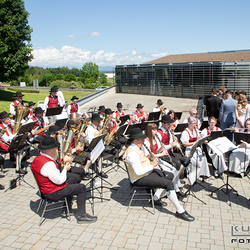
(18, 93)
(48, 143)
(38, 110)
(4, 114)
(136, 133)
(55, 86)
(108, 111)
(139, 105)
(101, 108)
(53, 129)
(70, 123)
(160, 102)
(31, 103)
(166, 119)
(74, 97)
(53, 89)
(96, 117)
(119, 105)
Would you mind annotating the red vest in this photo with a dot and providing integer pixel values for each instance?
(191, 139)
(118, 114)
(45, 184)
(138, 114)
(73, 109)
(111, 125)
(53, 102)
(155, 146)
(165, 138)
(39, 124)
(208, 131)
(15, 103)
(2, 145)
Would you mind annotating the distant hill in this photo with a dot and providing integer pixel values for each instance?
(106, 69)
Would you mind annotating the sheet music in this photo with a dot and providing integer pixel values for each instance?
(94, 154)
(221, 145)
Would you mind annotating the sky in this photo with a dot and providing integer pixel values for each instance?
(113, 32)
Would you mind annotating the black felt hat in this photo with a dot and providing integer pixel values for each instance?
(101, 108)
(70, 123)
(160, 102)
(18, 94)
(48, 143)
(74, 97)
(108, 111)
(166, 119)
(4, 114)
(38, 110)
(139, 105)
(53, 129)
(136, 133)
(96, 117)
(119, 105)
(53, 89)
(31, 103)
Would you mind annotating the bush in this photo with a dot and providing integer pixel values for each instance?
(64, 84)
(25, 90)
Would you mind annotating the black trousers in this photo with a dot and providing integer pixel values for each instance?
(69, 191)
(76, 173)
(156, 179)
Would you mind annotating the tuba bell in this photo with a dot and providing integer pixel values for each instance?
(21, 113)
(105, 124)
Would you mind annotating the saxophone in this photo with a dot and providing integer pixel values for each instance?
(105, 124)
(78, 141)
(111, 136)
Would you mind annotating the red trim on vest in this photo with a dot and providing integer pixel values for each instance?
(191, 139)
(53, 102)
(73, 109)
(165, 138)
(2, 145)
(208, 131)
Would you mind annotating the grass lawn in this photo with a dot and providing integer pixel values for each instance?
(7, 97)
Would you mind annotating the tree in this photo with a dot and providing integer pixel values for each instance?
(15, 47)
(69, 77)
(90, 70)
(103, 79)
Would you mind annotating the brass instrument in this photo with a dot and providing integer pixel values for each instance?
(105, 124)
(21, 113)
(71, 132)
(78, 141)
(2, 131)
(111, 136)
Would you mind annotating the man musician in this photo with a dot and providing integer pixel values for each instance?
(160, 107)
(141, 116)
(119, 112)
(32, 109)
(73, 107)
(17, 102)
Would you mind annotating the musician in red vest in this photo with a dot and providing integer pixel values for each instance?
(141, 116)
(52, 182)
(166, 136)
(17, 102)
(32, 108)
(118, 113)
(73, 107)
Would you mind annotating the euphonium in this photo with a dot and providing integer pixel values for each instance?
(105, 124)
(111, 134)
(21, 113)
(71, 132)
(78, 141)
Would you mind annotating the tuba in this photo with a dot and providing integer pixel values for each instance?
(21, 113)
(78, 141)
(67, 145)
(111, 136)
(105, 124)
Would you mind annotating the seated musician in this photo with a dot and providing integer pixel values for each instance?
(160, 107)
(198, 164)
(73, 107)
(166, 137)
(239, 158)
(17, 102)
(142, 172)
(151, 147)
(218, 161)
(38, 132)
(52, 182)
(132, 119)
(140, 115)
(32, 109)
(193, 113)
(172, 115)
(119, 112)
(101, 111)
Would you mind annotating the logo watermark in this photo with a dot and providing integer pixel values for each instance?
(240, 234)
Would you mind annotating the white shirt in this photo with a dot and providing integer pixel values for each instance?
(171, 140)
(51, 171)
(5, 137)
(12, 107)
(90, 133)
(69, 109)
(46, 101)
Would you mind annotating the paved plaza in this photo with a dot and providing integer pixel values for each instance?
(137, 228)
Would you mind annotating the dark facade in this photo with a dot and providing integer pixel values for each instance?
(186, 80)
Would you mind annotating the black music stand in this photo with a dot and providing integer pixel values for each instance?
(195, 146)
(123, 119)
(178, 115)
(15, 144)
(216, 134)
(130, 127)
(181, 127)
(61, 123)
(154, 116)
(54, 111)
(26, 128)
(204, 125)
(144, 124)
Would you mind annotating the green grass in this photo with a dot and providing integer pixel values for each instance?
(7, 97)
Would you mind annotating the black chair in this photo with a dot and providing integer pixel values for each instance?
(140, 191)
(49, 203)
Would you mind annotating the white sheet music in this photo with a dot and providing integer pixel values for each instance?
(94, 154)
(221, 145)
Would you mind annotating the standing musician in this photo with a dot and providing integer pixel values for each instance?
(73, 107)
(193, 113)
(52, 182)
(151, 144)
(166, 137)
(160, 107)
(132, 119)
(60, 95)
(198, 165)
(141, 116)
(118, 113)
(142, 172)
(32, 109)
(17, 102)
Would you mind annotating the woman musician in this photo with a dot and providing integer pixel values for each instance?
(198, 163)
(153, 146)
(172, 115)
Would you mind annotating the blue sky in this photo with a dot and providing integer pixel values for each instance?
(108, 33)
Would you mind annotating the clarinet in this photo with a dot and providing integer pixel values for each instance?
(153, 157)
(178, 144)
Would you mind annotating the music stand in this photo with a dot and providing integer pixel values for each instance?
(154, 116)
(121, 130)
(26, 128)
(61, 123)
(144, 124)
(178, 115)
(130, 127)
(123, 119)
(216, 134)
(239, 136)
(181, 127)
(54, 111)
(192, 184)
(204, 125)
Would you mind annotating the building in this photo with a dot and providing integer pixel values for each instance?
(186, 75)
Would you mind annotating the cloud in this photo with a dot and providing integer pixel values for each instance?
(94, 34)
(74, 37)
(77, 57)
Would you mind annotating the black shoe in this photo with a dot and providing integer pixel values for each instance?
(21, 171)
(184, 216)
(1, 187)
(102, 174)
(159, 203)
(182, 181)
(64, 213)
(83, 219)
(180, 194)
(86, 177)
(116, 160)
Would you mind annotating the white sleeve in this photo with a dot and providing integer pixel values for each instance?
(60, 101)
(68, 109)
(7, 138)
(46, 102)
(90, 135)
(134, 159)
(12, 109)
(184, 137)
(50, 170)
(203, 133)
